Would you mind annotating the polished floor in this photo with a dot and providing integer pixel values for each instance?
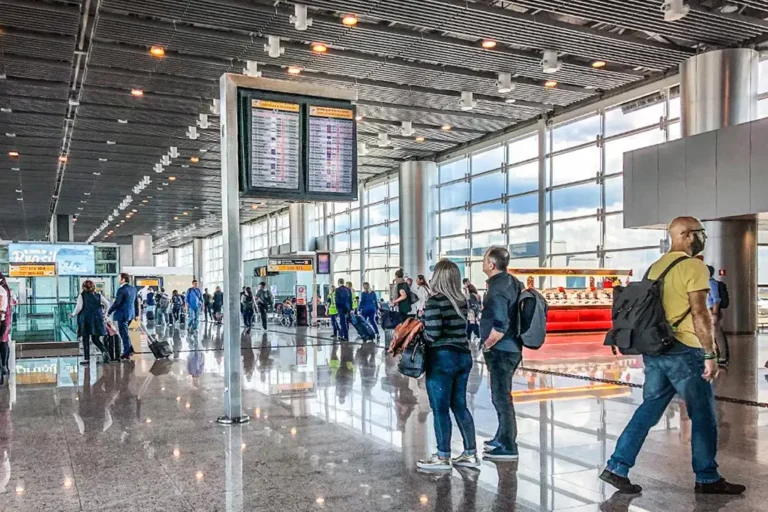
(334, 426)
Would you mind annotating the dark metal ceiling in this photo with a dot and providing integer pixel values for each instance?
(67, 68)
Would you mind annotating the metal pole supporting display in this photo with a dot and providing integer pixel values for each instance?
(230, 187)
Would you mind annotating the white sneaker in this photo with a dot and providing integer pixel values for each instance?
(435, 463)
(467, 461)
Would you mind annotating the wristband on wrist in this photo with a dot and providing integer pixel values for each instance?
(709, 356)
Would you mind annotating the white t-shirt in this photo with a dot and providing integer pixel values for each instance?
(4, 298)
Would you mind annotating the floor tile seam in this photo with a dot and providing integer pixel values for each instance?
(69, 454)
(173, 482)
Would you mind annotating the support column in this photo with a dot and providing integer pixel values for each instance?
(141, 248)
(719, 89)
(298, 221)
(197, 260)
(417, 217)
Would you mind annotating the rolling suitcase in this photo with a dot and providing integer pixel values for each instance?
(113, 343)
(390, 319)
(363, 328)
(160, 348)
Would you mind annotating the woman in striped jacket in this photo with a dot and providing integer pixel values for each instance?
(448, 364)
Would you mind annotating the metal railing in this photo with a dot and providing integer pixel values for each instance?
(44, 321)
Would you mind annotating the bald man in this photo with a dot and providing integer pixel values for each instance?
(687, 369)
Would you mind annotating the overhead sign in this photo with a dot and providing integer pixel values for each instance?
(296, 147)
(32, 270)
(71, 259)
(290, 265)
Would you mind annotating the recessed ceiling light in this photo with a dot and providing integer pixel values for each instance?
(349, 20)
(13, 154)
(134, 210)
(598, 64)
(18, 191)
(145, 201)
(184, 166)
(6, 110)
(171, 178)
(510, 100)
(294, 70)
(165, 184)
(175, 218)
(550, 84)
(15, 168)
(9, 134)
(102, 159)
(86, 193)
(254, 206)
(122, 121)
(137, 93)
(83, 202)
(488, 43)
(589, 87)
(185, 213)
(194, 159)
(111, 142)
(157, 51)
(19, 198)
(420, 139)
(446, 127)
(203, 150)
(319, 48)
(97, 174)
(63, 159)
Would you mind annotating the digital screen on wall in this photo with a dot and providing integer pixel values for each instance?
(323, 263)
(71, 260)
(296, 147)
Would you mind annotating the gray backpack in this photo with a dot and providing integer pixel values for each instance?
(640, 324)
(532, 310)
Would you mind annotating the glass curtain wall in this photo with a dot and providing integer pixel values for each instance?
(184, 256)
(343, 226)
(381, 234)
(213, 262)
(161, 259)
(255, 241)
(491, 197)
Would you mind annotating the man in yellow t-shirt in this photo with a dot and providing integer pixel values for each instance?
(687, 369)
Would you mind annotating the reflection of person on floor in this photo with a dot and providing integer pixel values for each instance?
(346, 375)
(249, 358)
(265, 361)
(95, 401)
(6, 319)
(6, 435)
(366, 359)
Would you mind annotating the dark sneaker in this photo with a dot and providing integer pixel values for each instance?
(491, 444)
(620, 482)
(720, 487)
(501, 454)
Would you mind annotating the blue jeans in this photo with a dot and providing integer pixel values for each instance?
(122, 328)
(194, 317)
(344, 325)
(370, 316)
(447, 375)
(335, 324)
(666, 375)
(501, 367)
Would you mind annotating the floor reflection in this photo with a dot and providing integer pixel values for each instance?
(334, 424)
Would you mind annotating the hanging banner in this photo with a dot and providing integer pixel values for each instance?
(32, 270)
(72, 259)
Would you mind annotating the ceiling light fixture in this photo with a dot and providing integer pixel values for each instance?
(15, 168)
(13, 154)
(138, 93)
(111, 142)
(185, 213)
(63, 159)
(598, 64)
(467, 102)
(103, 160)
(294, 70)
(192, 133)
(173, 152)
(122, 121)
(504, 83)
(446, 127)
(273, 47)
(349, 20)
(420, 139)
(550, 63)
(251, 69)
(510, 100)
(383, 141)
(362, 149)
(675, 10)
(9, 134)
(175, 218)
(157, 51)
(358, 118)
(194, 159)
(550, 84)
(171, 178)
(488, 44)
(299, 18)
(6, 110)
(319, 47)
(97, 174)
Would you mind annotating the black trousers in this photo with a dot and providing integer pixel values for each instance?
(263, 314)
(96, 340)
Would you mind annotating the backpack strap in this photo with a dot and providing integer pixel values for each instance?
(661, 279)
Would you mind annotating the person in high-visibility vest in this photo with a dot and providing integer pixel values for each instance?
(332, 311)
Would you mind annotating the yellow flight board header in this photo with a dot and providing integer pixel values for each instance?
(298, 265)
(339, 113)
(275, 105)
(32, 269)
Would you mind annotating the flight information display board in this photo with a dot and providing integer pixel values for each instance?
(331, 149)
(294, 147)
(275, 144)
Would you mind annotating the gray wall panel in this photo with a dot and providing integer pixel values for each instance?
(629, 213)
(700, 174)
(672, 187)
(732, 187)
(645, 185)
(759, 166)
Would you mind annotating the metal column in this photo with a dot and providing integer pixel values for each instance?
(417, 217)
(230, 230)
(542, 125)
(298, 221)
(720, 89)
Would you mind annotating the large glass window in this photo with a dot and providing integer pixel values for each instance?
(161, 259)
(576, 165)
(184, 256)
(576, 133)
(213, 262)
(488, 187)
(487, 160)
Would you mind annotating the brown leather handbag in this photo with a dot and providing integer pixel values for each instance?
(404, 335)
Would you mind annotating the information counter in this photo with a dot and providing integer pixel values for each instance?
(579, 298)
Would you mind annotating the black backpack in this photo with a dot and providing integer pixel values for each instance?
(725, 297)
(639, 323)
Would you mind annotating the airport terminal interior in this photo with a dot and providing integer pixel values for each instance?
(286, 146)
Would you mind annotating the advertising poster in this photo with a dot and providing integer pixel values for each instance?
(71, 260)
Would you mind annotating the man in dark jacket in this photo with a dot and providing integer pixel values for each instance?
(343, 306)
(124, 309)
